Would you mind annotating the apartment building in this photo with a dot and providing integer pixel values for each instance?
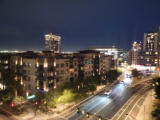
(44, 71)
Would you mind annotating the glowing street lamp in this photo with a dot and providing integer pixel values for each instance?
(99, 118)
(87, 115)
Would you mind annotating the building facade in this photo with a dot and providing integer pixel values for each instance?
(52, 43)
(45, 71)
(151, 49)
(114, 51)
(136, 54)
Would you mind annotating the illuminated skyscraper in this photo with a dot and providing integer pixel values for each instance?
(135, 53)
(52, 43)
(151, 49)
(150, 42)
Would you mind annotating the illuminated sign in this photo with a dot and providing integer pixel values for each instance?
(31, 97)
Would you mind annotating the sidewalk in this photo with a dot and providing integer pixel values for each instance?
(145, 112)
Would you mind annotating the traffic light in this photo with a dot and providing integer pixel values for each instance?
(22, 102)
(99, 118)
(36, 103)
(12, 105)
(87, 115)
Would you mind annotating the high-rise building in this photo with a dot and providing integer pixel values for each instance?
(151, 49)
(52, 43)
(159, 38)
(114, 51)
(135, 53)
(150, 42)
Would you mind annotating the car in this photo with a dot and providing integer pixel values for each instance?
(108, 92)
(121, 82)
(83, 112)
(127, 75)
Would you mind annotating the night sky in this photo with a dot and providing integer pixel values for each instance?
(80, 23)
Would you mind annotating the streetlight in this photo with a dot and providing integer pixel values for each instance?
(87, 115)
(100, 118)
(77, 110)
(46, 101)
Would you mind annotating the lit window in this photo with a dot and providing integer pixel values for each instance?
(6, 67)
(16, 62)
(81, 68)
(45, 63)
(37, 84)
(54, 63)
(21, 62)
(16, 78)
(6, 62)
(37, 64)
(21, 81)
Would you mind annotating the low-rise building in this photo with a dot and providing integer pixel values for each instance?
(46, 70)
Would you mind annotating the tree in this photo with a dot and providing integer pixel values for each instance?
(156, 112)
(135, 73)
(13, 87)
(157, 87)
(40, 97)
(67, 96)
(92, 88)
(96, 79)
(112, 75)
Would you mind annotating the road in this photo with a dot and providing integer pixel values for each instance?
(5, 115)
(108, 106)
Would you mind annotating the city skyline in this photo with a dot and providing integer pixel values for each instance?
(74, 59)
(24, 24)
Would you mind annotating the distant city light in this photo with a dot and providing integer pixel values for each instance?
(2, 86)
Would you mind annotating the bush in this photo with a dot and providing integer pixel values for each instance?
(67, 96)
(135, 73)
(156, 112)
(18, 99)
(112, 75)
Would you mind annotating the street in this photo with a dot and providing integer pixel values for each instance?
(108, 106)
(5, 115)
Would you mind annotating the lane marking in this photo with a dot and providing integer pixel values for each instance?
(131, 98)
(128, 102)
(137, 94)
(134, 106)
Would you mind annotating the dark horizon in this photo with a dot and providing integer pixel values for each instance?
(80, 24)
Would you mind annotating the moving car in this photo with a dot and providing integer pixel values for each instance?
(121, 82)
(108, 91)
